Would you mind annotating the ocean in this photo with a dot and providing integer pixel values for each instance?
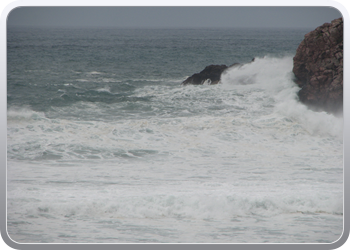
(104, 144)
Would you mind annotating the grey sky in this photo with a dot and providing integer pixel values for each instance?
(169, 17)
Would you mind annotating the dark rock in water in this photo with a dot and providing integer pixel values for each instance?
(211, 74)
(318, 67)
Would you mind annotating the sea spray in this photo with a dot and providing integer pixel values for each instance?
(274, 76)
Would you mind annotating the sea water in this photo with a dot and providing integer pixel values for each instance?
(104, 145)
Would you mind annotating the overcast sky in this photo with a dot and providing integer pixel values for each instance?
(171, 17)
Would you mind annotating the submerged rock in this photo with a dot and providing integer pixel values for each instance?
(211, 75)
(318, 67)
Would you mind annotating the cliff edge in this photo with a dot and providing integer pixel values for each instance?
(318, 67)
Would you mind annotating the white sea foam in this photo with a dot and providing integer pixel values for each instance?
(95, 73)
(110, 80)
(187, 206)
(104, 89)
(274, 76)
(119, 199)
(83, 80)
(16, 114)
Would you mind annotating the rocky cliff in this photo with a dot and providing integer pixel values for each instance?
(318, 67)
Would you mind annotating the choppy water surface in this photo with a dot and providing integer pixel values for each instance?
(104, 145)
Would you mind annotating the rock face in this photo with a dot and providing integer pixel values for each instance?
(318, 67)
(211, 75)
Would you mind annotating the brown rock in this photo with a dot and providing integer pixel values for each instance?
(318, 67)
